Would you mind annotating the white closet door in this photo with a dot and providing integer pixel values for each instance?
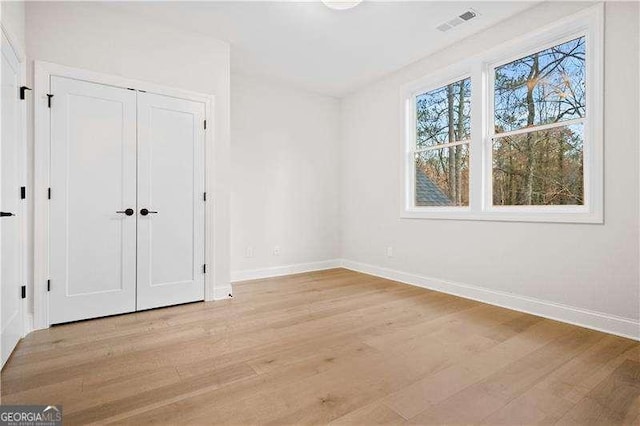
(11, 321)
(170, 186)
(93, 177)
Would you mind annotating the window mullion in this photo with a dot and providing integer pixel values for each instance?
(488, 131)
(476, 155)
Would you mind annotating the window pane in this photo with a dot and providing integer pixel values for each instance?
(539, 168)
(546, 87)
(443, 115)
(442, 177)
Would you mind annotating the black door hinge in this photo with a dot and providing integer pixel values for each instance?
(205, 124)
(204, 196)
(48, 285)
(22, 90)
(49, 96)
(23, 192)
(23, 291)
(204, 268)
(48, 193)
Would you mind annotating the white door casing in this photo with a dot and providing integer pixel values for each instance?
(93, 174)
(171, 185)
(11, 316)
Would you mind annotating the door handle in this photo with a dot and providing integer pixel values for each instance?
(145, 212)
(6, 214)
(128, 212)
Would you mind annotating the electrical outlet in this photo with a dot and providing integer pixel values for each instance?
(389, 251)
(249, 252)
(276, 251)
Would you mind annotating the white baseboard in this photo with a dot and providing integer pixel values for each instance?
(28, 323)
(222, 293)
(600, 321)
(278, 271)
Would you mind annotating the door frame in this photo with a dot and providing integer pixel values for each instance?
(27, 317)
(43, 71)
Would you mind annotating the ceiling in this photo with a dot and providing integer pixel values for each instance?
(312, 47)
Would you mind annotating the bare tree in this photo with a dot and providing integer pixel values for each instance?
(540, 167)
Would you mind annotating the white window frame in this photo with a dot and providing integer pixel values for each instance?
(588, 23)
(444, 78)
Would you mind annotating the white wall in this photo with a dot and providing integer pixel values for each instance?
(590, 267)
(13, 21)
(94, 37)
(285, 176)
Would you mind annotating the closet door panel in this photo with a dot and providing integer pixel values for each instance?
(93, 183)
(171, 188)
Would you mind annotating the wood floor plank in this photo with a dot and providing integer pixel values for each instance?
(375, 413)
(498, 389)
(433, 389)
(553, 397)
(325, 347)
(615, 400)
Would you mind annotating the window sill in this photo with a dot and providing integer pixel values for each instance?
(506, 215)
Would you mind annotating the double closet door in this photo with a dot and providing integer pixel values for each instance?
(127, 212)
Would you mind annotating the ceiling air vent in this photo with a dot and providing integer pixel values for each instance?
(469, 14)
(460, 19)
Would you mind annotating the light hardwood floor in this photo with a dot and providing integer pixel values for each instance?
(333, 346)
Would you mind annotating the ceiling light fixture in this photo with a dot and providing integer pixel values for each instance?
(341, 4)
